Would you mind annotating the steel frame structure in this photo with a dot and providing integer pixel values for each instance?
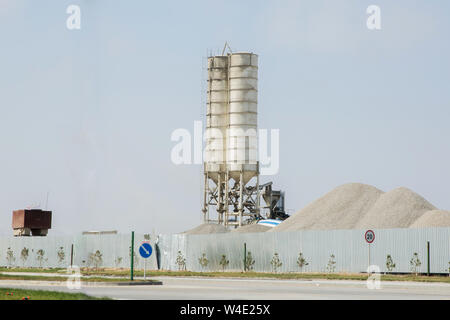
(236, 204)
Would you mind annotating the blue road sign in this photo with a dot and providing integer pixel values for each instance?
(145, 250)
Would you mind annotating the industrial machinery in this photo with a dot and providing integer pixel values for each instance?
(31, 222)
(231, 167)
(274, 200)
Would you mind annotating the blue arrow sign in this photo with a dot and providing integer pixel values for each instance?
(145, 250)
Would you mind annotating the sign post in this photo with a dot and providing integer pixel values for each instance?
(132, 257)
(145, 250)
(369, 236)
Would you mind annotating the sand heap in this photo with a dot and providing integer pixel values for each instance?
(398, 208)
(359, 206)
(207, 228)
(354, 206)
(341, 208)
(432, 219)
(252, 228)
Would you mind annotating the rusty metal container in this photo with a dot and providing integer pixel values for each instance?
(34, 221)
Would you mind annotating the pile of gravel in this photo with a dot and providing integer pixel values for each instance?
(342, 208)
(398, 208)
(252, 228)
(353, 206)
(360, 206)
(207, 228)
(432, 219)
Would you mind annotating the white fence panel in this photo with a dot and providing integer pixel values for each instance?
(351, 252)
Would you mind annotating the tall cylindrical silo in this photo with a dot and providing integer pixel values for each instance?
(231, 159)
(216, 116)
(242, 143)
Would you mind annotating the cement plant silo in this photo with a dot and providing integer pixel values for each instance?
(231, 153)
(242, 143)
(217, 116)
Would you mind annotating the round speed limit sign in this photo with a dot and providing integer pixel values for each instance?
(369, 236)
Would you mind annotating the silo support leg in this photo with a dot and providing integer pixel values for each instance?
(205, 199)
(226, 197)
(257, 194)
(219, 198)
(241, 196)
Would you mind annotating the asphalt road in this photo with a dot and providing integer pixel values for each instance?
(176, 288)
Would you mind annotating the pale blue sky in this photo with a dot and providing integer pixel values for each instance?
(87, 115)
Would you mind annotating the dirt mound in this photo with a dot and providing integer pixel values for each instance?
(432, 219)
(252, 228)
(398, 208)
(207, 228)
(341, 208)
(353, 206)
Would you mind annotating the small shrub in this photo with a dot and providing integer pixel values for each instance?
(181, 261)
(390, 265)
(24, 255)
(224, 262)
(135, 257)
(203, 261)
(331, 266)
(118, 261)
(96, 259)
(249, 262)
(275, 262)
(40, 257)
(61, 255)
(301, 261)
(415, 263)
(10, 257)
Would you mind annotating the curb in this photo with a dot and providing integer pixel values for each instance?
(123, 283)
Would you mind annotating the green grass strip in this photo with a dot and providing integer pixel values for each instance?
(27, 294)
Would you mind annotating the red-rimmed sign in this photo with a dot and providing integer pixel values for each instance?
(369, 236)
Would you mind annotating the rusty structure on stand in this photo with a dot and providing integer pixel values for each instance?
(31, 222)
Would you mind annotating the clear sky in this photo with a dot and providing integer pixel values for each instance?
(87, 115)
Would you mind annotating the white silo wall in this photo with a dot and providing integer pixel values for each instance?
(232, 120)
(242, 142)
(216, 114)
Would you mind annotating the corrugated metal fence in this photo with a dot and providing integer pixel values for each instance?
(348, 247)
(88, 251)
(351, 252)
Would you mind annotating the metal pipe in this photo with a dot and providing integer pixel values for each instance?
(205, 195)
(71, 255)
(245, 257)
(241, 195)
(208, 191)
(132, 256)
(226, 197)
(428, 258)
(219, 197)
(258, 204)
